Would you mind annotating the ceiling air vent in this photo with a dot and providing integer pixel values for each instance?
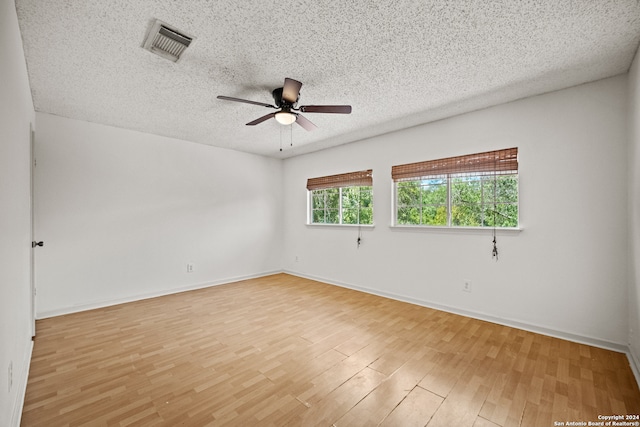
(166, 41)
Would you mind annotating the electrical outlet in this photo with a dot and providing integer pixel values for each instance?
(466, 287)
(189, 268)
(10, 377)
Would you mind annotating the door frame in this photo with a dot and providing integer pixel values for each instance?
(32, 272)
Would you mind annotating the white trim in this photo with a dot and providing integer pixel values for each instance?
(634, 362)
(317, 224)
(138, 297)
(18, 404)
(581, 339)
(462, 230)
(32, 231)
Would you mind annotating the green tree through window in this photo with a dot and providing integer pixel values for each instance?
(346, 198)
(459, 200)
(342, 205)
(472, 190)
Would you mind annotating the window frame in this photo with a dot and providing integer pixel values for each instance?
(340, 209)
(340, 182)
(449, 203)
(474, 165)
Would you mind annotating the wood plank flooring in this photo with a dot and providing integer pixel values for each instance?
(282, 350)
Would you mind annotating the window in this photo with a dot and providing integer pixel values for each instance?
(341, 199)
(477, 190)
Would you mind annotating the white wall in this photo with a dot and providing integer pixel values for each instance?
(634, 209)
(16, 116)
(122, 213)
(565, 273)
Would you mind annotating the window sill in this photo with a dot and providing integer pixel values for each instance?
(455, 230)
(370, 226)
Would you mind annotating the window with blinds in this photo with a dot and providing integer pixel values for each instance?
(341, 199)
(475, 190)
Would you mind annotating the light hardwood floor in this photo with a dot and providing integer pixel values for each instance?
(282, 350)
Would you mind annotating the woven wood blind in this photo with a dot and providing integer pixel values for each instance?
(351, 179)
(499, 161)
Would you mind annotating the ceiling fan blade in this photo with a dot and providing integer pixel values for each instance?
(246, 101)
(337, 109)
(291, 90)
(261, 119)
(305, 123)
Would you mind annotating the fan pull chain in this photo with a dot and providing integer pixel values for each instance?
(494, 254)
(495, 248)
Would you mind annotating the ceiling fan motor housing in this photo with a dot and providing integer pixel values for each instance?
(280, 102)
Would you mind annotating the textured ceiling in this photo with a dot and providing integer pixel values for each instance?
(399, 63)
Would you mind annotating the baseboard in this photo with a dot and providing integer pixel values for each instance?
(595, 342)
(107, 303)
(18, 404)
(634, 362)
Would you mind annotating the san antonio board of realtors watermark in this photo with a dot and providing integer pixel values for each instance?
(632, 420)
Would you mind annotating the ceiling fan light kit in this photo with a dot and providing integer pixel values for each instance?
(285, 117)
(286, 101)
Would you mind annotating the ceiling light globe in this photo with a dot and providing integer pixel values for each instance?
(285, 117)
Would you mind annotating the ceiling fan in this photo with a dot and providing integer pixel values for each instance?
(286, 100)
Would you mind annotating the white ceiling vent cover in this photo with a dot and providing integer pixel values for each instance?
(166, 41)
